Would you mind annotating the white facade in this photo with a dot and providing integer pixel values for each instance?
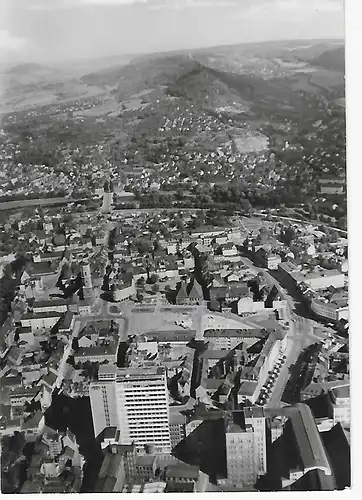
(340, 397)
(324, 280)
(273, 261)
(172, 248)
(227, 342)
(41, 321)
(124, 293)
(49, 307)
(247, 305)
(329, 310)
(136, 401)
(86, 274)
(107, 203)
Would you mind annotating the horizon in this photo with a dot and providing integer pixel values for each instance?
(176, 51)
(69, 30)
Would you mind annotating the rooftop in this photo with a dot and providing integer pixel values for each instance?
(310, 446)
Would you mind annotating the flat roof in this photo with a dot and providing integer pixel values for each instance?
(51, 303)
(171, 336)
(342, 392)
(214, 354)
(240, 333)
(145, 460)
(97, 350)
(182, 470)
(40, 315)
(247, 388)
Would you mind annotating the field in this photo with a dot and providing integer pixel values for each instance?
(248, 143)
(327, 79)
(110, 106)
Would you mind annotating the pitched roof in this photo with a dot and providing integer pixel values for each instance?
(196, 291)
(182, 293)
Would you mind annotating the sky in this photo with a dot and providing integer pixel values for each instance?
(60, 30)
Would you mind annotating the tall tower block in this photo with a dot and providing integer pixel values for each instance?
(135, 400)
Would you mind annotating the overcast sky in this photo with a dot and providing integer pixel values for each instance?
(46, 30)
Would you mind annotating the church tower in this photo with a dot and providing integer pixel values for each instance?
(85, 272)
(107, 198)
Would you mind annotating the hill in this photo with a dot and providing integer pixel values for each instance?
(143, 73)
(331, 60)
(24, 69)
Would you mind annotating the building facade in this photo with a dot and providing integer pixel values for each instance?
(136, 401)
(245, 447)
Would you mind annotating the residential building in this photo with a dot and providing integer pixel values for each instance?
(328, 309)
(254, 377)
(136, 401)
(118, 467)
(40, 321)
(245, 446)
(124, 292)
(97, 353)
(229, 339)
(177, 426)
(146, 466)
(268, 259)
(340, 397)
(324, 278)
(58, 305)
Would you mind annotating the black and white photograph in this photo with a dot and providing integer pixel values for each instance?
(174, 273)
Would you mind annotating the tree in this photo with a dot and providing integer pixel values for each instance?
(180, 224)
(141, 282)
(246, 206)
(143, 246)
(152, 279)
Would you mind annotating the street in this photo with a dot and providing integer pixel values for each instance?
(300, 335)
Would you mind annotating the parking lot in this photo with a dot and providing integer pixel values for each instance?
(267, 389)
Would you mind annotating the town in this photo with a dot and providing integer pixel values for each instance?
(142, 349)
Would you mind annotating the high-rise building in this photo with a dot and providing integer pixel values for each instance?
(135, 400)
(245, 446)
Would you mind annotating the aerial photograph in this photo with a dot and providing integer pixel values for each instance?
(174, 313)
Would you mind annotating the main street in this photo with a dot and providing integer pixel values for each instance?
(300, 334)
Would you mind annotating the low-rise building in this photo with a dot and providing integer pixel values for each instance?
(329, 309)
(340, 397)
(58, 305)
(40, 321)
(305, 449)
(124, 292)
(229, 339)
(97, 354)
